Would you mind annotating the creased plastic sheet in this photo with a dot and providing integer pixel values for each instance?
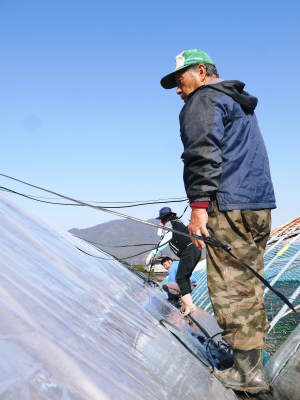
(76, 327)
(283, 369)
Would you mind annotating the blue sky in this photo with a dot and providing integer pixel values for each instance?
(82, 111)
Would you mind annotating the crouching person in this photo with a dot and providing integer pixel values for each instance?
(171, 286)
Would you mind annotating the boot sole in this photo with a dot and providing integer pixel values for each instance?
(247, 389)
(256, 390)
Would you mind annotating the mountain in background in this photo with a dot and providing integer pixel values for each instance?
(123, 232)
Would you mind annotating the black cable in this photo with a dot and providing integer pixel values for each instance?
(114, 258)
(135, 255)
(198, 325)
(124, 258)
(38, 199)
(258, 276)
(164, 322)
(264, 281)
(92, 255)
(207, 347)
(121, 245)
(147, 203)
(43, 201)
(183, 212)
(112, 255)
(167, 200)
(208, 240)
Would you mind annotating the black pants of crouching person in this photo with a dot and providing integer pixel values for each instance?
(188, 260)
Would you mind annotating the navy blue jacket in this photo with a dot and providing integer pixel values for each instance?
(224, 152)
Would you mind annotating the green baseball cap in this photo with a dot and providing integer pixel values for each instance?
(184, 60)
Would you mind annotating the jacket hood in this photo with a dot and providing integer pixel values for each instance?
(235, 89)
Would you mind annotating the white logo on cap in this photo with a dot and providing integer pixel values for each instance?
(179, 60)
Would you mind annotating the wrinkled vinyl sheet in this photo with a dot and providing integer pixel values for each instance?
(283, 369)
(74, 327)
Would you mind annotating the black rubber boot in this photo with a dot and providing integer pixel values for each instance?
(247, 373)
(230, 377)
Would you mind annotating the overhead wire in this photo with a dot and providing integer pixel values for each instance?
(115, 258)
(119, 202)
(121, 245)
(3, 188)
(116, 246)
(208, 240)
(135, 255)
(132, 204)
(168, 199)
(120, 258)
(93, 255)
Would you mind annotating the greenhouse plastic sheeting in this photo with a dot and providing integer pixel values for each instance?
(75, 327)
(283, 369)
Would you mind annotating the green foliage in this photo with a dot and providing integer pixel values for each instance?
(139, 267)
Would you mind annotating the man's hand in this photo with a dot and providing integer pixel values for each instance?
(198, 224)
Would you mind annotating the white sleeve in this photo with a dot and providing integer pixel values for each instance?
(161, 245)
(149, 257)
(165, 240)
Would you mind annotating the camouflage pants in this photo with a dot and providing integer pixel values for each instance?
(236, 294)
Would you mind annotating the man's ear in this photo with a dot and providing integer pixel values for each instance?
(202, 72)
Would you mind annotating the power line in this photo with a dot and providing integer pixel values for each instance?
(208, 240)
(35, 199)
(119, 202)
(147, 280)
(119, 246)
(120, 258)
(134, 204)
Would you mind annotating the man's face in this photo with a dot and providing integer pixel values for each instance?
(167, 264)
(187, 81)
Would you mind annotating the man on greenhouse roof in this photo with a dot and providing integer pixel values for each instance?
(228, 183)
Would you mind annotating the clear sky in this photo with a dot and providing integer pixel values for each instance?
(82, 111)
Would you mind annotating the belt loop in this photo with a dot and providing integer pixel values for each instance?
(211, 206)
